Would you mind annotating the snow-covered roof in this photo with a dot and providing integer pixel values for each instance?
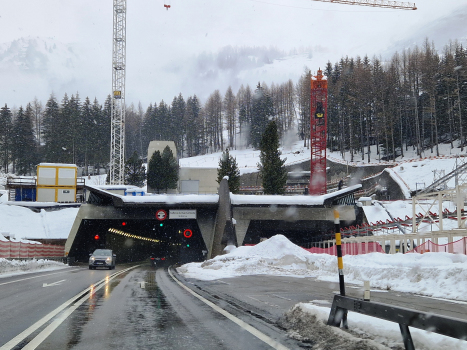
(113, 187)
(241, 199)
(171, 199)
(59, 165)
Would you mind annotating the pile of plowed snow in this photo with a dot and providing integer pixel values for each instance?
(15, 267)
(441, 275)
(275, 256)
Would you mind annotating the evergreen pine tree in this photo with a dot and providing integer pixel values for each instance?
(262, 110)
(135, 172)
(51, 130)
(155, 172)
(271, 167)
(228, 167)
(169, 168)
(6, 138)
(25, 151)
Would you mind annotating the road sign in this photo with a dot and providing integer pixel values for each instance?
(161, 215)
(182, 214)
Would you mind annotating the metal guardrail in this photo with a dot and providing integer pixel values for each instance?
(448, 326)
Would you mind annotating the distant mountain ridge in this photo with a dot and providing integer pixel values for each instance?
(36, 67)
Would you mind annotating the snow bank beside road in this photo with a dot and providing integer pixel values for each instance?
(433, 274)
(441, 275)
(10, 267)
(308, 321)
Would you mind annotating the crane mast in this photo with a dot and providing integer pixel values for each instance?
(376, 3)
(117, 137)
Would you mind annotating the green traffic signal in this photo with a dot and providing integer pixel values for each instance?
(161, 224)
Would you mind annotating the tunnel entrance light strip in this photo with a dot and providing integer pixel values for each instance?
(129, 235)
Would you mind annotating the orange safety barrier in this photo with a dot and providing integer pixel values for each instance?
(30, 250)
(457, 247)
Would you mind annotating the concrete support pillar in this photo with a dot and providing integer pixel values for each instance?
(440, 211)
(392, 249)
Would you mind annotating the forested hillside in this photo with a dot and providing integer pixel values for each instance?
(416, 99)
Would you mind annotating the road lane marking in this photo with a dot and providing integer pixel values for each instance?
(29, 278)
(443, 299)
(78, 299)
(264, 302)
(44, 285)
(258, 334)
(278, 296)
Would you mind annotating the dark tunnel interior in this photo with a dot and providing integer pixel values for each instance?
(177, 241)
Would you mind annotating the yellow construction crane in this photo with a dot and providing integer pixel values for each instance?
(376, 3)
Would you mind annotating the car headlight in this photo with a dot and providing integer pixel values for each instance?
(92, 258)
(109, 259)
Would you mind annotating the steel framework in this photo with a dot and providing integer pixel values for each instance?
(117, 138)
(376, 3)
(318, 134)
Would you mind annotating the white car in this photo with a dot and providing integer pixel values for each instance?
(102, 258)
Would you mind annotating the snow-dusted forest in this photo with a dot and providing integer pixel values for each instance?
(416, 99)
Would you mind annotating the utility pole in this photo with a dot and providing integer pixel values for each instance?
(117, 138)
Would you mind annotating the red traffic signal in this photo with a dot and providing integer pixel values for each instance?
(187, 233)
(96, 237)
(123, 223)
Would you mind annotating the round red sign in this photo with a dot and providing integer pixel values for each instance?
(161, 215)
(188, 233)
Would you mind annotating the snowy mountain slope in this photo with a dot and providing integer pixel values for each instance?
(440, 32)
(38, 62)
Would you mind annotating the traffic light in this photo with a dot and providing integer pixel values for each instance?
(187, 234)
(124, 223)
(96, 237)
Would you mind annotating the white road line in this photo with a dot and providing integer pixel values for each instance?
(49, 329)
(258, 334)
(44, 285)
(249, 296)
(278, 296)
(220, 281)
(29, 278)
(443, 299)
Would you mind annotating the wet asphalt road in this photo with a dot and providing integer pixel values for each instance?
(271, 296)
(159, 316)
(162, 315)
(123, 315)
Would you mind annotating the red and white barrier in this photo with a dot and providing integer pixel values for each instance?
(10, 249)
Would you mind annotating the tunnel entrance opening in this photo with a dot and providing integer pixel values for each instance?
(177, 241)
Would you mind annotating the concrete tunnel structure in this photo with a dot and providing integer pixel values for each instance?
(185, 228)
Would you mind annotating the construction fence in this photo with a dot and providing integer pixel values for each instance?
(457, 247)
(10, 249)
(357, 248)
(350, 249)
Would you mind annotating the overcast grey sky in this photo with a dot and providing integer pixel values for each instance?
(160, 40)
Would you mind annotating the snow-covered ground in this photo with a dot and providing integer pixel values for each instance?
(248, 159)
(437, 275)
(18, 267)
(22, 222)
(412, 172)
